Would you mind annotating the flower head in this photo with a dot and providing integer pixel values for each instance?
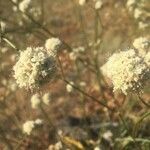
(69, 87)
(53, 44)
(34, 67)
(127, 70)
(142, 44)
(24, 5)
(97, 148)
(108, 135)
(28, 126)
(82, 2)
(38, 122)
(46, 98)
(98, 4)
(130, 3)
(35, 101)
(139, 10)
(137, 13)
(147, 59)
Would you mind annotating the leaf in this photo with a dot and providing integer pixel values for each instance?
(72, 143)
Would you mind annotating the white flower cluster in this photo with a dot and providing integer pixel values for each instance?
(97, 148)
(53, 44)
(28, 126)
(98, 4)
(69, 87)
(36, 11)
(46, 98)
(34, 67)
(76, 52)
(36, 100)
(147, 58)
(24, 5)
(57, 146)
(142, 44)
(108, 135)
(82, 2)
(127, 70)
(140, 11)
(15, 1)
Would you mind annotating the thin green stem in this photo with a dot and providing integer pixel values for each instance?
(138, 123)
(126, 127)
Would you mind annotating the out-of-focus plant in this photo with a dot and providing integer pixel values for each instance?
(37, 66)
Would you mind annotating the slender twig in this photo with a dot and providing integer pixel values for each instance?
(42, 10)
(9, 43)
(42, 27)
(80, 90)
(142, 100)
(96, 60)
(20, 143)
(82, 25)
(47, 117)
(125, 125)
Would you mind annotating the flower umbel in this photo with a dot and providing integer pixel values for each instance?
(142, 44)
(127, 70)
(28, 126)
(23, 6)
(34, 67)
(53, 44)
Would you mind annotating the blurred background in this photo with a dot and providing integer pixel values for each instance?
(94, 30)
